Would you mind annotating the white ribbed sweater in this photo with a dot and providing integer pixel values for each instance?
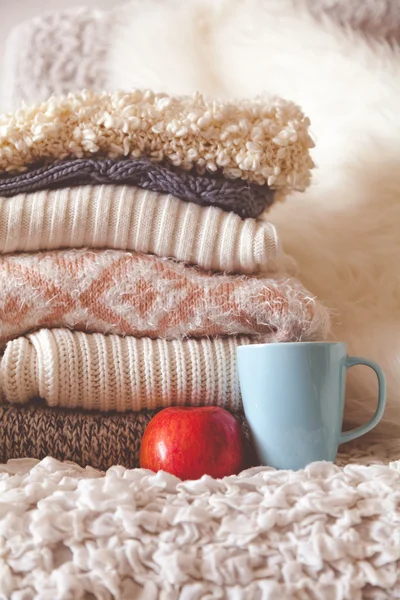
(98, 372)
(129, 218)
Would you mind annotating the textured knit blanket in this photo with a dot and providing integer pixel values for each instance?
(111, 373)
(129, 218)
(324, 532)
(127, 293)
(261, 141)
(245, 199)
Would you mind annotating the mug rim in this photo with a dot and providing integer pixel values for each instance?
(269, 344)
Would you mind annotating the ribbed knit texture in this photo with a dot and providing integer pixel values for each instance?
(129, 218)
(106, 373)
(111, 291)
(243, 198)
(86, 438)
(262, 141)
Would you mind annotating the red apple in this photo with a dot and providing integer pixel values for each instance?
(191, 442)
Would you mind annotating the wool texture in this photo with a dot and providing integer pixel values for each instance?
(72, 369)
(262, 141)
(126, 293)
(243, 198)
(85, 438)
(322, 532)
(129, 218)
(93, 439)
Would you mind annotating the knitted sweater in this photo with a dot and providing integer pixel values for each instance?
(110, 373)
(93, 439)
(125, 293)
(124, 218)
(254, 140)
(245, 199)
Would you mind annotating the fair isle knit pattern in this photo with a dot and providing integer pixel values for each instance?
(244, 198)
(129, 218)
(260, 141)
(128, 293)
(111, 373)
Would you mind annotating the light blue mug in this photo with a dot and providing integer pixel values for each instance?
(293, 397)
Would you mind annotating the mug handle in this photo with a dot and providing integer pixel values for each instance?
(352, 361)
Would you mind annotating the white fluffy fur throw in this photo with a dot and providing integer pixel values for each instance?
(346, 235)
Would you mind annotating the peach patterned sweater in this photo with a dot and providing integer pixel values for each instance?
(135, 294)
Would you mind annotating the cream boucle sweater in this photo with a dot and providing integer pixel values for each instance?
(262, 141)
(130, 218)
(97, 372)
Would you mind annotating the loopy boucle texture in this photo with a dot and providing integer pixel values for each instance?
(265, 142)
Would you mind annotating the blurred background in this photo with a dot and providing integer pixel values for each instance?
(16, 11)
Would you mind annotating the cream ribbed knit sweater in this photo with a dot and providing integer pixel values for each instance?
(130, 218)
(93, 371)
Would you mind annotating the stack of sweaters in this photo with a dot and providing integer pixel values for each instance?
(133, 263)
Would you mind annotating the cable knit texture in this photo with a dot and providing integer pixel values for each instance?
(110, 373)
(262, 141)
(243, 198)
(129, 218)
(125, 293)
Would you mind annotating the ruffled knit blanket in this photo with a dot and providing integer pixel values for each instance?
(324, 532)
